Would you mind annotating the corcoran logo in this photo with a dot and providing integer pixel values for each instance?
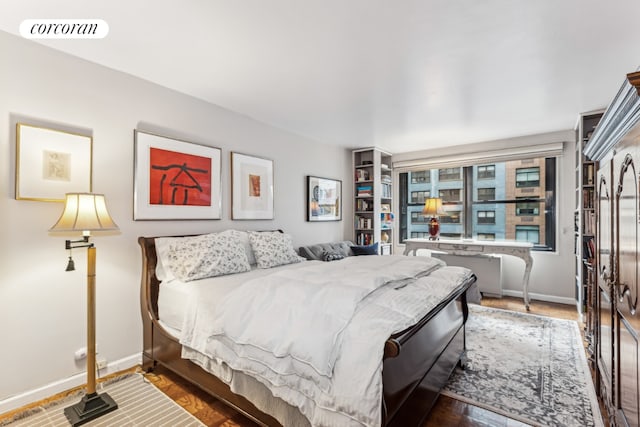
(64, 29)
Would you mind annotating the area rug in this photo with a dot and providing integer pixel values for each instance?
(140, 404)
(529, 368)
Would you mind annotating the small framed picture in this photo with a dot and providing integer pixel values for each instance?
(324, 199)
(175, 179)
(251, 187)
(51, 163)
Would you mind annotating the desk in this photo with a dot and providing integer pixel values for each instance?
(520, 250)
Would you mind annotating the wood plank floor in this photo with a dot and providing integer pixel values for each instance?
(447, 411)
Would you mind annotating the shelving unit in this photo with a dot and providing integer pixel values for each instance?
(585, 227)
(373, 199)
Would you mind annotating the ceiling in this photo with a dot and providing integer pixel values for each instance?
(402, 75)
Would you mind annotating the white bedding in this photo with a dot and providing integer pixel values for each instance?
(347, 390)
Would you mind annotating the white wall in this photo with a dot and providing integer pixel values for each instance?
(552, 276)
(42, 307)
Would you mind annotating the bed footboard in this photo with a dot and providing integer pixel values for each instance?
(422, 360)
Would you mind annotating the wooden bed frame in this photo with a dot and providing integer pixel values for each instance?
(417, 362)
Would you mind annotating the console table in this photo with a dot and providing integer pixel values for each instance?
(520, 250)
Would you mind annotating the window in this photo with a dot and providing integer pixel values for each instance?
(419, 196)
(486, 193)
(421, 177)
(450, 195)
(419, 218)
(450, 174)
(486, 236)
(486, 217)
(527, 208)
(502, 207)
(450, 235)
(487, 172)
(528, 233)
(527, 177)
(452, 217)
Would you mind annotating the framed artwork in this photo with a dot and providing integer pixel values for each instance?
(51, 163)
(324, 199)
(251, 187)
(175, 179)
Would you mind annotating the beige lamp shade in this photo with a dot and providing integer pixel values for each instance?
(84, 212)
(433, 207)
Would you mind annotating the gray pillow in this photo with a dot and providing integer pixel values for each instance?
(316, 252)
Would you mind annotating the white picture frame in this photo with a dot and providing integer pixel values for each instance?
(175, 179)
(251, 187)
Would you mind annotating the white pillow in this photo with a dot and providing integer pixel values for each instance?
(196, 257)
(243, 238)
(272, 248)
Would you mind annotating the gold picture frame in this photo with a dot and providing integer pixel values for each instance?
(51, 163)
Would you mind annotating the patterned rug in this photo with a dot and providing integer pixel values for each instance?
(529, 368)
(140, 404)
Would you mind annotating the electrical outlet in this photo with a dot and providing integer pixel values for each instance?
(101, 363)
(80, 354)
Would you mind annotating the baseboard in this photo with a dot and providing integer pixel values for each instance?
(35, 395)
(540, 297)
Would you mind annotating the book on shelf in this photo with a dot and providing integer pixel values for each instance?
(363, 239)
(386, 191)
(589, 174)
(589, 224)
(364, 190)
(362, 175)
(587, 198)
(364, 223)
(363, 205)
(588, 249)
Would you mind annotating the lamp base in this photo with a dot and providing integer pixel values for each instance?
(90, 407)
(434, 229)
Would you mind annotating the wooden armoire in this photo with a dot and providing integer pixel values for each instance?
(615, 145)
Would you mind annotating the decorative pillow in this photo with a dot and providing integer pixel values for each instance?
(272, 248)
(206, 255)
(243, 238)
(316, 252)
(331, 256)
(365, 250)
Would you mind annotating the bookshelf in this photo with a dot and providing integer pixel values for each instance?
(585, 227)
(373, 199)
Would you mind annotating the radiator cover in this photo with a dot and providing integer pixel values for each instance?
(487, 268)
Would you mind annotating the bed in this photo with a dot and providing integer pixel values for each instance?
(416, 360)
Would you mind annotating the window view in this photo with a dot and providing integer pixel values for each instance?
(487, 172)
(513, 200)
(528, 177)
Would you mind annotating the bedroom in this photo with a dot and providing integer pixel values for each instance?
(43, 86)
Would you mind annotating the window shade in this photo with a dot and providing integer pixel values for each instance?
(481, 157)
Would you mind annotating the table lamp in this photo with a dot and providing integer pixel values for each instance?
(433, 208)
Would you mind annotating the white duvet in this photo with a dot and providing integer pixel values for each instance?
(314, 334)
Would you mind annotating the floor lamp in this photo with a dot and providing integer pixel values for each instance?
(87, 212)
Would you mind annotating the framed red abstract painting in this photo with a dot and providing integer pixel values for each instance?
(175, 179)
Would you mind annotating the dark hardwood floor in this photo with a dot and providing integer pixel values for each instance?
(447, 411)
